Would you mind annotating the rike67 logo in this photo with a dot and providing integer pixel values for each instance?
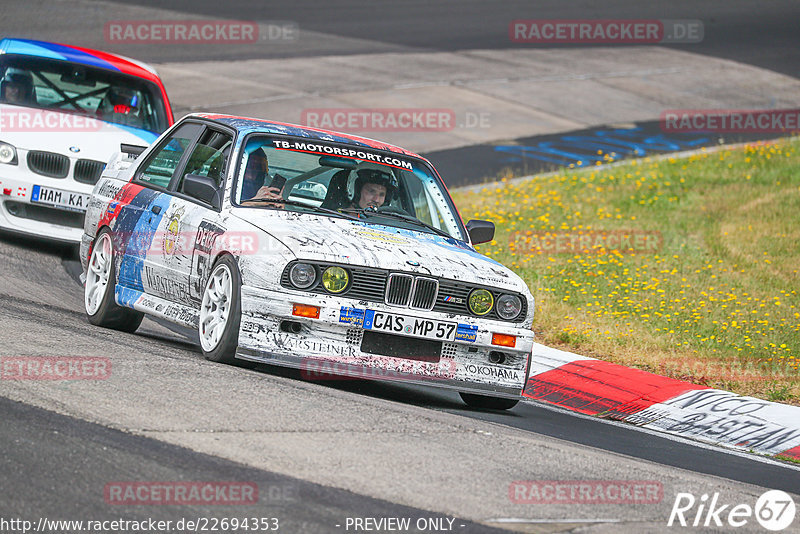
(774, 510)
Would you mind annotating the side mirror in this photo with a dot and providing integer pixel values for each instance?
(202, 188)
(480, 231)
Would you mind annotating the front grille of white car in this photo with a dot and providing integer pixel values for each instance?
(416, 292)
(370, 284)
(48, 164)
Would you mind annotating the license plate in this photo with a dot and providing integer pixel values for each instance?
(60, 199)
(404, 325)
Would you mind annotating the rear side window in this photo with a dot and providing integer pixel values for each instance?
(164, 162)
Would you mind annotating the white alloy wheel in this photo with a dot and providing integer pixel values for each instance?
(216, 307)
(98, 273)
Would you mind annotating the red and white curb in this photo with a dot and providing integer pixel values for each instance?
(604, 389)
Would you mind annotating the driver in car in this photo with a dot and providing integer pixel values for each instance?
(373, 188)
(255, 173)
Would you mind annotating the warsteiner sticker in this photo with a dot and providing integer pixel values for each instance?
(351, 316)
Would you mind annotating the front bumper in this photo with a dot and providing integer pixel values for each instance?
(333, 345)
(20, 214)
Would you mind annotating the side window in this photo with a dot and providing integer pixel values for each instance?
(209, 157)
(162, 164)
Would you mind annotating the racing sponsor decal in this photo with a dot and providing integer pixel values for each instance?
(291, 342)
(324, 149)
(512, 375)
(253, 328)
(351, 316)
(173, 232)
(466, 332)
(170, 289)
(109, 189)
(383, 237)
(204, 246)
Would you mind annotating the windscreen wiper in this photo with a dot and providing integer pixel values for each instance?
(391, 213)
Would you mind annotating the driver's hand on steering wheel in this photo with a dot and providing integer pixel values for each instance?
(268, 192)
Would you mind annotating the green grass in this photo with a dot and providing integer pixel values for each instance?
(710, 298)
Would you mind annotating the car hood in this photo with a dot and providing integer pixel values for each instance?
(66, 133)
(335, 240)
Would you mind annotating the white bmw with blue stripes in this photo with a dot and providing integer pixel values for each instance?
(299, 247)
(64, 111)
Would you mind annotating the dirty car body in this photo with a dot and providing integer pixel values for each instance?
(313, 280)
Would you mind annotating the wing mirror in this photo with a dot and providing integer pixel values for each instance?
(480, 231)
(203, 188)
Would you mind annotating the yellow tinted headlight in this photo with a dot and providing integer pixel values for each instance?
(335, 279)
(481, 301)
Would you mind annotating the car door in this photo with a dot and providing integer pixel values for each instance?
(190, 226)
(147, 199)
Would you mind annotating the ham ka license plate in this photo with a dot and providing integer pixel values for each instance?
(404, 325)
(57, 198)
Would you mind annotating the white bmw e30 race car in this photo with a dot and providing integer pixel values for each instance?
(64, 111)
(305, 248)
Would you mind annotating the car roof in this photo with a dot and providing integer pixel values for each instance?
(76, 54)
(248, 125)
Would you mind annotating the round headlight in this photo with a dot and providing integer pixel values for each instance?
(480, 301)
(509, 306)
(8, 154)
(302, 275)
(335, 279)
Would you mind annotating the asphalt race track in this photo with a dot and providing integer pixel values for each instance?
(323, 453)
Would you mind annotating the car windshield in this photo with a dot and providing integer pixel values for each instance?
(76, 88)
(344, 180)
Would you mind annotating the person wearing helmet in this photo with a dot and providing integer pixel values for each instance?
(373, 188)
(16, 87)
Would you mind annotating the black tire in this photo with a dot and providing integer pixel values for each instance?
(225, 349)
(483, 402)
(109, 314)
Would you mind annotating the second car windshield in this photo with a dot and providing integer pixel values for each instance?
(76, 88)
(383, 189)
